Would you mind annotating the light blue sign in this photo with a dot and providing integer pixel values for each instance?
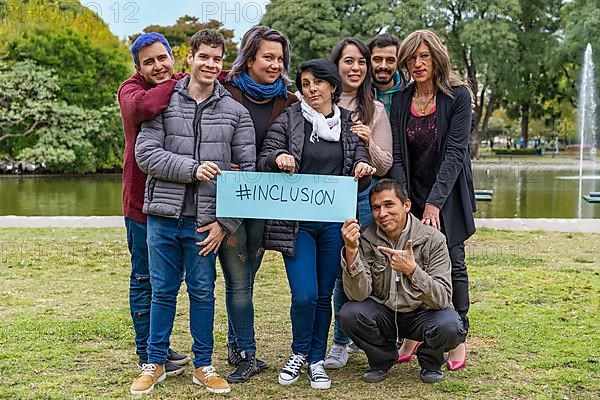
(298, 197)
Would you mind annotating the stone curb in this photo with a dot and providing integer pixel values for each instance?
(513, 224)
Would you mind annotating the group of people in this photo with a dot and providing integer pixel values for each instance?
(392, 115)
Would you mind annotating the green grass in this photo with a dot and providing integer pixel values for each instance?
(65, 330)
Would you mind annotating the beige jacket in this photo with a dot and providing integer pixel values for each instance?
(380, 146)
(371, 274)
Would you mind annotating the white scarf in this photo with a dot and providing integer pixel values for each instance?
(322, 128)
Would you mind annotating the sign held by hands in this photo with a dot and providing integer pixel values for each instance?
(298, 197)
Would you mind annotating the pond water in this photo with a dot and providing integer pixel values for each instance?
(524, 191)
(529, 192)
(61, 195)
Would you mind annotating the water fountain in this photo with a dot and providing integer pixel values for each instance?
(586, 117)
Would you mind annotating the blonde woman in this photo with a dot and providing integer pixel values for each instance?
(431, 124)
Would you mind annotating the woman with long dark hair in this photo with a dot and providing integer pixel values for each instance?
(372, 126)
(431, 124)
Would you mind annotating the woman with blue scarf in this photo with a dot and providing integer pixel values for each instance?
(257, 80)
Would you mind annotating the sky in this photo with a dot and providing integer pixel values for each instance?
(126, 17)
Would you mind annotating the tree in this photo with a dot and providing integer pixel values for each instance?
(88, 76)
(581, 25)
(70, 39)
(364, 18)
(312, 26)
(536, 23)
(36, 126)
(181, 32)
(19, 16)
(76, 141)
(60, 67)
(27, 98)
(481, 41)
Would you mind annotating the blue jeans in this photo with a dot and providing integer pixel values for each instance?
(240, 256)
(172, 247)
(363, 207)
(311, 275)
(140, 290)
(365, 217)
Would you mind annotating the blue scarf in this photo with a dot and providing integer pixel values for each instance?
(257, 90)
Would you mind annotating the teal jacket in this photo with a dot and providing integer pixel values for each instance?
(386, 96)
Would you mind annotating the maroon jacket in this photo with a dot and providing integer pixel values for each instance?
(139, 101)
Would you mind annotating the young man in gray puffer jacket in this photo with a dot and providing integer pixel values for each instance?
(202, 131)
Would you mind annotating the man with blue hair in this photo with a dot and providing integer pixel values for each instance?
(142, 97)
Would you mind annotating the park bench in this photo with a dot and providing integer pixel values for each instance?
(593, 197)
(483, 194)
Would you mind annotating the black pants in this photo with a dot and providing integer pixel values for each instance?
(371, 326)
(460, 283)
(460, 277)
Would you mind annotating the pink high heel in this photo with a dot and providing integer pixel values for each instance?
(408, 357)
(456, 365)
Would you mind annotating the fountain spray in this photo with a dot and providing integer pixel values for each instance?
(586, 115)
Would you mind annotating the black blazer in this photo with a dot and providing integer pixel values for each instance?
(452, 191)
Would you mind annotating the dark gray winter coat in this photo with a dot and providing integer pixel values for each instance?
(286, 135)
(172, 146)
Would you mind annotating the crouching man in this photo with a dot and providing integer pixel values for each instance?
(397, 275)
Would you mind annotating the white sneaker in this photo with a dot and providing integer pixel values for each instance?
(318, 377)
(290, 372)
(337, 358)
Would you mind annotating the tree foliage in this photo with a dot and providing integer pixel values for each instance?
(522, 55)
(60, 69)
(19, 16)
(88, 75)
(312, 26)
(35, 125)
(77, 140)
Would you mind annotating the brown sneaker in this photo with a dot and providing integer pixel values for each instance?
(208, 377)
(150, 375)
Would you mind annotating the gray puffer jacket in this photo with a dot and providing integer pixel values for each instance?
(170, 148)
(286, 135)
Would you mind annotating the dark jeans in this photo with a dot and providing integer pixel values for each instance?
(372, 327)
(140, 290)
(172, 250)
(460, 283)
(240, 256)
(363, 207)
(311, 275)
(460, 276)
(365, 218)
(339, 299)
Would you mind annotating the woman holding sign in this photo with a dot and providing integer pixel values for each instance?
(258, 81)
(372, 126)
(431, 124)
(311, 137)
